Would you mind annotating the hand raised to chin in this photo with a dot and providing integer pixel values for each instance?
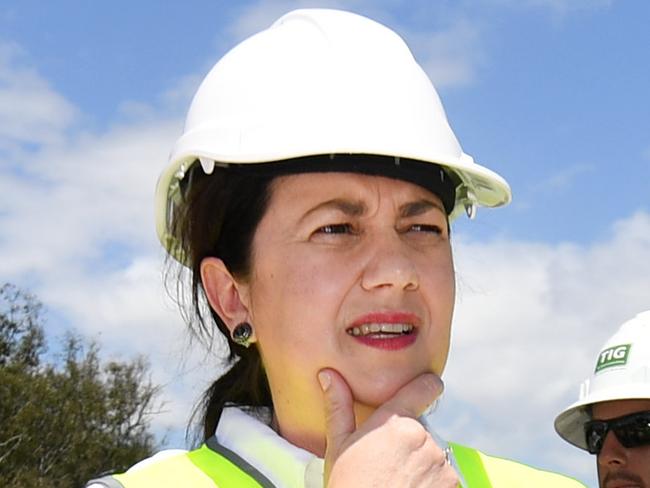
(391, 448)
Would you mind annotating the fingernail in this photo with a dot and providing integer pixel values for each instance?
(434, 382)
(324, 379)
(431, 408)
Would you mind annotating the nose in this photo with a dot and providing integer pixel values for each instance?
(613, 453)
(389, 265)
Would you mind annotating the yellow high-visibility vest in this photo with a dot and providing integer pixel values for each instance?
(214, 466)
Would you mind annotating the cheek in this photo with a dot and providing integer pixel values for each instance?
(294, 310)
(297, 297)
(642, 458)
(438, 282)
(439, 291)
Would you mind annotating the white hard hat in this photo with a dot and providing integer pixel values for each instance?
(622, 372)
(320, 82)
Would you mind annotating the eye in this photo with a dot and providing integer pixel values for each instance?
(335, 234)
(335, 229)
(427, 228)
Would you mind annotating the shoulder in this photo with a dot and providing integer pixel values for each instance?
(172, 467)
(209, 466)
(157, 459)
(505, 473)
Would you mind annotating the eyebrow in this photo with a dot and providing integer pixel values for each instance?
(419, 207)
(357, 208)
(348, 207)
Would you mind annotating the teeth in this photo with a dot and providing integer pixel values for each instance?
(367, 329)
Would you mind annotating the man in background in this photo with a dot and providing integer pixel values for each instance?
(611, 419)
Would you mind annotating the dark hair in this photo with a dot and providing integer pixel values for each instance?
(218, 217)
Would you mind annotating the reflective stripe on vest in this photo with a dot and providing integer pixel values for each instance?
(214, 466)
(224, 466)
(483, 471)
(470, 465)
(210, 466)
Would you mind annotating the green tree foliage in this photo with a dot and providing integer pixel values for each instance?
(66, 420)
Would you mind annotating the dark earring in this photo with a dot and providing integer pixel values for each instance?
(242, 333)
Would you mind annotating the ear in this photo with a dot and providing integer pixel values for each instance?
(225, 295)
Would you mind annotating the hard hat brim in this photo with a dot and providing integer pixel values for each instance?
(570, 423)
(482, 186)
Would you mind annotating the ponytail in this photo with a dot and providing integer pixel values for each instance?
(218, 217)
(244, 385)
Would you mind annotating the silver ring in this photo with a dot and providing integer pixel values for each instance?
(447, 451)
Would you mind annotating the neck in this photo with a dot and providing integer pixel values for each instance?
(312, 436)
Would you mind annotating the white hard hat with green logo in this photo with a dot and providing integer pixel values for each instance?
(320, 82)
(621, 372)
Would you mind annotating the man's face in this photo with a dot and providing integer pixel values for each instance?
(619, 466)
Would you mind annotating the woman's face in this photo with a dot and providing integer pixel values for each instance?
(351, 272)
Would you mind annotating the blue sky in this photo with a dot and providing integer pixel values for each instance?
(552, 94)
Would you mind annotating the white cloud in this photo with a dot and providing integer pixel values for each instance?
(646, 154)
(451, 56)
(77, 227)
(177, 98)
(70, 204)
(564, 179)
(128, 313)
(260, 15)
(30, 110)
(530, 320)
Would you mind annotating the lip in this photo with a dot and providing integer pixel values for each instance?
(622, 481)
(388, 317)
(390, 343)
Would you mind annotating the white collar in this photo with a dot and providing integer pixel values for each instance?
(285, 465)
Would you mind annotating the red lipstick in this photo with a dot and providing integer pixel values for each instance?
(391, 330)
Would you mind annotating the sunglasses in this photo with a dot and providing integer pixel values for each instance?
(631, 431)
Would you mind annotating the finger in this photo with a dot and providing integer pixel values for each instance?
(339, 411)
(415, 397)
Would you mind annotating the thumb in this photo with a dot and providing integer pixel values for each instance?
(413, 398)
(339, 411)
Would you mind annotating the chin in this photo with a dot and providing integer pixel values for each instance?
(373, 399)
(376, 387)
(374, 392)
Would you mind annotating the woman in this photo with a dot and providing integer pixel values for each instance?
(310, 198)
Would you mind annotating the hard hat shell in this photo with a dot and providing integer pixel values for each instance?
(320, 82)
(622, 372)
